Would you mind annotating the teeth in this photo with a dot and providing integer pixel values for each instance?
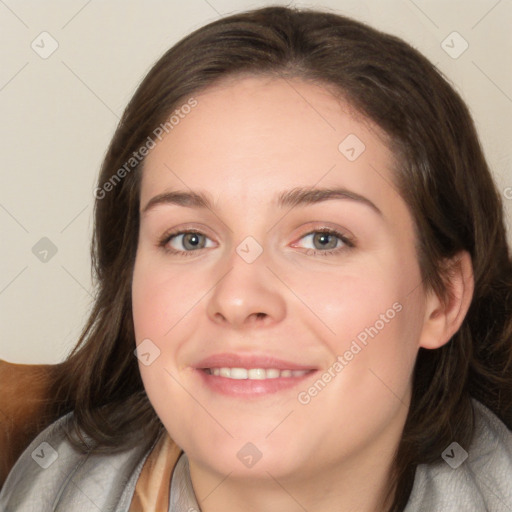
(223, 372)
(237, 373)
(272, 373)
(255, 373)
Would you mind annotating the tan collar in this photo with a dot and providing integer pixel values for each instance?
(153, 485)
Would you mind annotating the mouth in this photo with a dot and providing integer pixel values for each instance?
(255, 373)
(244, 375)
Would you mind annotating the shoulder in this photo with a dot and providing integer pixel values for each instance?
(52, 475)
(475, 478)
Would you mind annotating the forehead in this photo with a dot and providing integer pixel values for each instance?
(250, 136)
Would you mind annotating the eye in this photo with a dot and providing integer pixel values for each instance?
(329, 241)
(189, 240)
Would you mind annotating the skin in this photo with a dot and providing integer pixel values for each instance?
(246, 140)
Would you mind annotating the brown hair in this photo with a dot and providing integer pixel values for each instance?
(441, 173)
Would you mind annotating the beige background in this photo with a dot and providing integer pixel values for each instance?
(59, 113)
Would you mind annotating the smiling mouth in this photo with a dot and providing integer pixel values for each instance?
(255, 373)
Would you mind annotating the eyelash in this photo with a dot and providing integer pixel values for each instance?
(347, 241)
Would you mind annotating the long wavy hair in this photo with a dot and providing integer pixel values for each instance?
(440, 172)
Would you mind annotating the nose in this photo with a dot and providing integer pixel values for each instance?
(247, 294)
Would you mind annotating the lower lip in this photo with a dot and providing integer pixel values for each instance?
(250, 387)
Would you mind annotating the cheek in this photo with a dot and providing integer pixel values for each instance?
(160, 302)
(353, 302)
(367, 382)
(161, 299)
(159, 305)
(371, 317)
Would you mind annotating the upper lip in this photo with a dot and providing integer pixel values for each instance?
(232, 360)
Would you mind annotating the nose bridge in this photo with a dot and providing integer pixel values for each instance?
(247, 291)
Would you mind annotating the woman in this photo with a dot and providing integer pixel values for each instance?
(298, 234)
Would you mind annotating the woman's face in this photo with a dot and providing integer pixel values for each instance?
(329, 323)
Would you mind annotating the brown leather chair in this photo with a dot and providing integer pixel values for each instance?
(25, 405)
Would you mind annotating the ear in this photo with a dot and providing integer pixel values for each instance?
(443, 317)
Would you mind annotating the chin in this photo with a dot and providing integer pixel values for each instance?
(249, 459)
(263, 468)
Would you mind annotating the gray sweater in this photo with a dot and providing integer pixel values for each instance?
(51, 476)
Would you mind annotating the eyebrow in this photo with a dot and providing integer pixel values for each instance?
(289, 198)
